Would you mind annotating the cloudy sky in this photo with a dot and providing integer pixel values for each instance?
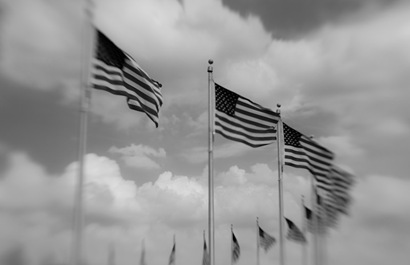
(339, 68)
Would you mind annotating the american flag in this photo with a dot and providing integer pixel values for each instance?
(241, 120)
(265, 240)
(294, 232)
(340, 194)
(205, 256)
(116, 72)
(172, 256)
(311, 226)
(236, 249)
(142, 259)
(303, 152)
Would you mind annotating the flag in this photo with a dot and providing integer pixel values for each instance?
(303, 152)
(327, 211)
(172, 256)
(142, 259)
(342, 182)
(294, 232)
(111, 255)
(116, 72)
(205, 256)
(241, 120)
(236, 249)
(265, 240)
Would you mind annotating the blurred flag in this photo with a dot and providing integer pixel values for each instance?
(172, 256)
(303, 152)
(236, 249)
(205, 256)
(116, 72)
(342, 181)
(265, 240)
(294, 232)
(111, 255)
(142, 259)
(241, 120)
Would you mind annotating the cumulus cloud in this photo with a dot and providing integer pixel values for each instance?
(138, 156)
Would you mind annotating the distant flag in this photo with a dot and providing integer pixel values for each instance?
(111, 255)
(172, 255)
(116, 72)
(142, 259)
(327, 212)
(236, 249)
(294, 232)
(340, 197)
(241, 120)
(303, 152)
(265, 240)
(205, 256)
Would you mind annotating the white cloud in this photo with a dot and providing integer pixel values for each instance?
(138, 156)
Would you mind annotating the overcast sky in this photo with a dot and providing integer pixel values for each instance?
(339, 68)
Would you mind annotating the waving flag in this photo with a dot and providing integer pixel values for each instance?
(172, 256)
(294, 232)
(205, 255)
(265, 240)
(241, 120)
(236, 249)
(303, 152)
(116, 72)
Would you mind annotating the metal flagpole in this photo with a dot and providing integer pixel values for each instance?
(279, 140)
(87, 49)
(257, 241)
(211, 109)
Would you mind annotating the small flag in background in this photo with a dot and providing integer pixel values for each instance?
(265, 240)
(241, 120)
(342, 181)
(294, 232)
(142, 259)
(236, 249)
(172, 256)
(116, 72)
(205, 256)
(303, 152)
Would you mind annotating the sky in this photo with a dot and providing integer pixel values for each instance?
(339, 69)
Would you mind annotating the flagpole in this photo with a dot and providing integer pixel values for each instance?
(280, 187)
(211, 231)
(257, 241)
(87, 49)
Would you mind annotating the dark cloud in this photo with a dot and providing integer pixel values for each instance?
(291, 18)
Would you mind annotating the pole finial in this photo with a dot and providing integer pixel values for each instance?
(278, 109)
(210, 68)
